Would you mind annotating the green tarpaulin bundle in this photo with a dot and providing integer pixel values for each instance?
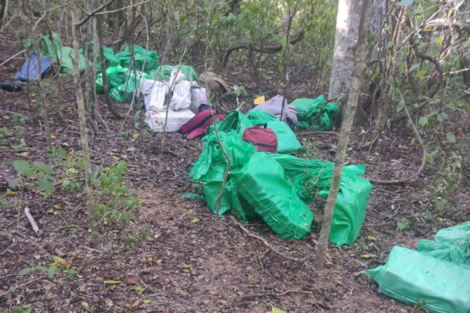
(53, 49)
(310, 176)
(286, 139)
(164, 72)
(257, 179)
(261, 182)
(122, 83)
(414, 277)
(308, 109)
(437, 273)
(450, 244)
(138, 58)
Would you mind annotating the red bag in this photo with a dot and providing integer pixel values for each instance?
(264, 139)
(196, 126)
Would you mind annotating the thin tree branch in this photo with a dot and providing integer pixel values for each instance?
(91, 14)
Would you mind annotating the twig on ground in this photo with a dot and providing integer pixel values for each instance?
(13, 56)
(31, 220)
(277, 294)
(423, 161)
(267, 244)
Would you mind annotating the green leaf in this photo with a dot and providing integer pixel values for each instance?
(21, 166)
(439, 41)
(25, 271)
(421, 73)
(112, 282)
(13, 182)
(51, 271)
(46, 185)
(404, 3)
(450, 137)
(413, 67)
(400, 105)
(368, 256)
(43, 167)
(423, 120)
(276, 310)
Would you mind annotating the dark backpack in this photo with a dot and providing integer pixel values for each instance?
(264, 139)
(204, 118)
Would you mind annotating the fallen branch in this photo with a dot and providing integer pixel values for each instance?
(423, 161)
(277, 294)
(260, 48)
(31, 220)
(13, 56)
(267, 244)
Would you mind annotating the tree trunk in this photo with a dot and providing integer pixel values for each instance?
(347, 28)
(3, 10)
(465, 64)
(359, 65)
(83, 131)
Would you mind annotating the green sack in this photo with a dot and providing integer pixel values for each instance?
(262, 184)
(235, 121)
(123, 84)
(286, 140)
(451, 244)
(230, 200)
(145, 61)
(307, 110)
(212, 162)
(411, 277)
(53, 49)
(312, 176)
(258, 117)
(164, 72)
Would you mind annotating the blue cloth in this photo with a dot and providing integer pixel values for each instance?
(29, 70)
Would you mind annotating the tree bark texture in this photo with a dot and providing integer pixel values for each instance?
(347, 29)
(359, 66)
(83, 130)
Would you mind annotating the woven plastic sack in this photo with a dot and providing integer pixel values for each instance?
(307, 110)
(451, 244)
(164, 72)
(262, 184)
(53, 49)
(235, 121)
(312, 176)
(145, 61)
(411, 277)
(123, 84)
(286, 140)
(212, 162)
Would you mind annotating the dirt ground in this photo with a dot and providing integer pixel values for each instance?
(188, 260)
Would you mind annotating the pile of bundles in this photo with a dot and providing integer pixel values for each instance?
(436, 275)
(267, 182)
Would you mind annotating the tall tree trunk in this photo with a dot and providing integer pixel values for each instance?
(465, 64)
(347, 29)
(359, 65)
(83, 131)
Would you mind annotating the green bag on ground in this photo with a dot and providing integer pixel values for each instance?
(451, 244)
(307, 110)
(262, 184)
(141, 57)
(210, 169)
(212, 162)
(235, 121)
(123, 84)
(164, 72)
(286, 140)
(310, 176)
(53, 49)
(411, 277)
